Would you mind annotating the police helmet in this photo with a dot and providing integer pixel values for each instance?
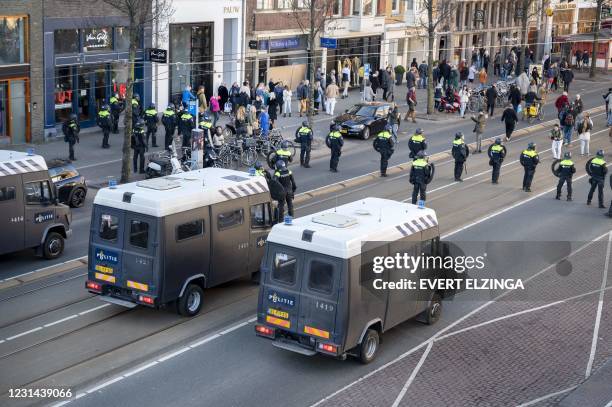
(421, 154)
(419, 130)
(72, 116)
(305, 123)
(388, 127)
(258, 165)
(140, 123)
(136, 96)
(152, 105)
(336, 127)
(497, 140)
(531, 146)
(280, 164)
(284, 144)
(600, 153)
(458, 135)
(171, 106)
(567, 155)
(105, 107)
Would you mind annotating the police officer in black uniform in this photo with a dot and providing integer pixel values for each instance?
(105, 121)
(417, 143)
(460, 152)
(421, 174)
(283, 153)
(151, 121)
(597, 169)
(334, 142)
(384, 145)
(186, 124)
(304, 136)
(206, 125)
(169, 121)
(139, 145)
(116, 107)
(284, 176)
(136, 109)
(71, 130)
(497, 153)
(529, 160)
(565, 171)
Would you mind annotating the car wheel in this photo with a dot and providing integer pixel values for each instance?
(368, 348)
(77, 197)
(190, 303)
(432, 314)
(53, 246)
(366, 133)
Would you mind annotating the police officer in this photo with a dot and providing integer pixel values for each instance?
(151, 121)
(303, 135)
(139, 145)
(565, 171)
(460, 153)
(417, 142)
(596, 168)
(186, 124)
(384, 145)
(169, 121)
(105, 121)
(261, 171)
(497, 153)
(136, 109)
(284, 176)
(116, 107)
(283, 154)
(334, 142)
(71, 130)
(421, 174)
(206, 124)
(529, 160)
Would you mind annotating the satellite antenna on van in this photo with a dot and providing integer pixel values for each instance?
(379, 215)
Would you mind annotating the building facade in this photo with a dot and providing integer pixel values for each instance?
(405, 39)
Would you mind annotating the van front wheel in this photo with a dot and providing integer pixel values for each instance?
(432, 314)
(190, 303)
(368, 348)
(53, 246)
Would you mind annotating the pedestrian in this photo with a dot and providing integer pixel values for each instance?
(374, 81)
(482, 78)
(410, 79)
(460, 153)
(283, 153)
(464, 98)
(287, 95)
(568, 119)
(331, 94)
(609, 214)
(479, 128)
(507, 68)
(368, 92)
(557, 141)
(334, 142)
(597, 169)
(417, 142)
(285, 177)
(464, 73)
(510, 119)
(116, 107)
(423, 68)
(272, 109)
(529, 160)
(384, 145)
(472, 74)
(303, 94)
(535, 75)
(421, 174)
(514, 97)
(608, 103)
(497, 153)
(304, 136)
(438, 96)
(568, 76)
(105, 122)
(585, 59)
(412, 102)
(139, 146)
(385, 82)
(565, 171)
(577, 105)
(318, 96)
(71, 130)
(445, 71)
(136, 109)
(187, 95)
(346, 80)
(578, 56)
(151, 120)
(583, 128)
(169, 121)
(491, 95)
(223, 93)
(201, 95)
(561, 102)
(186, 124)
(393, 118)
(264, 122)
(215, 108)
(497, 63)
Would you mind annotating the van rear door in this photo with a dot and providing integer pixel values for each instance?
(106, 245)
(139, 245)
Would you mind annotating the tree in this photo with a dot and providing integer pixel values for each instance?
(596, 29)
(525, 10)
(140, 13)
(438, 12)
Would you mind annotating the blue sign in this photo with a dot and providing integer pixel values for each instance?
(421, 204)
(283, 299)
(329, 43)
(106, 256)
(279, 43)
(193, 108)
(366, 70)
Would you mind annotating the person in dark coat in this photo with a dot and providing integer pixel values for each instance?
(384, 145)
(445, 71)
(139, 145)
(334, 142)
(491, 94)
(510, 119)
(460, 153)
(223, 94)
(272, 108)
(71, 130)
(514, 96)
(497, 153)
(169, 120)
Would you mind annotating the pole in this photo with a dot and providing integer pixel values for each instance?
(155, 67)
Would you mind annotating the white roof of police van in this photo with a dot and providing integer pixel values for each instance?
(341, 231)
(181, 192)
(16, 162)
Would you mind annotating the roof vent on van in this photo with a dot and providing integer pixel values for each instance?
(235, 178)
(334, 219)
(307, 235)
(158, 184)
(127, 197)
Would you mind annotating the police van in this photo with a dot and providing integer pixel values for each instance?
(317, 285)
(164, 240)
(30, 213)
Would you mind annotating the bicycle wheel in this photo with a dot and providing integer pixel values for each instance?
(291, 147)
(472, 105)
(249, 157)
(541, 113)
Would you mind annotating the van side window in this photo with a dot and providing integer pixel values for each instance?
(7, 194)
(189, 230)
(230, 219)
(139, 234)
(321, 276)
(284, 268)
(109, 227)
(37, 192)
(261, 216)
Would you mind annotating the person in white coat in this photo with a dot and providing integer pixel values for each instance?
(464, 97)
(583, 128)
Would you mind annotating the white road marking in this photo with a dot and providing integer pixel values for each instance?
(24, 333)
(204, 341)
(414, 373)
(59, 321)
(94, 309)
(604, 280)
(557, 393)
(173, 354)
(105, 384)
(609, 404)
(140, 369)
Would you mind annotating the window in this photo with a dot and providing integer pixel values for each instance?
(7, 194)
(265, 4)
(284, 268)
(63, 94)
(337, 7)
(109, 227)
(230, 219)
(66, 41)
(60, 173)
(395, 6)
(122, 39)
(321, 276)
(37, 192)
(356, 7)
(13, 31)
(261, 216)
(97, 39)
(189, 230)
(139, 234)
(368, 7)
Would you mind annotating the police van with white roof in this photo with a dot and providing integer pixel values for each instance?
(316, 293)
(165, 240)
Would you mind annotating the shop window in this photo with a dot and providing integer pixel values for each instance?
(122, 39)
(66, 41)
(13, 32)
(97, 39)
(63, 94)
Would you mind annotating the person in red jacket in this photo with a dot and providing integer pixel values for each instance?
(561, 101)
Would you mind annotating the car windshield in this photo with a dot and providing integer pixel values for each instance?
(363, 110)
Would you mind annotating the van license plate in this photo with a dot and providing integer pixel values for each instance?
(278, 313)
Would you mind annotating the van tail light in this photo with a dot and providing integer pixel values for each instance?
(265, 331)
(93, 286)
(328, 348)
(145, 299)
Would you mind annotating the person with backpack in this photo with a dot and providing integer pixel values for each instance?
(421, 174)
(460, 152)
(568, 121)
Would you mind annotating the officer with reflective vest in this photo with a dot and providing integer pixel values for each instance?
(151, 121)
(421, 174)
(136, 109)
(529, 160)
(71, 130)
(284, 176)
(116, 107)
(417, 142)
(283, 154)
(384, 145)
(334, 142)
(206, 125)
(497, 153)
(565, 170)
(261, 171)
(460, 152)
(186, 124)
(169, 121)
(139, 145)
(304, 136)
(105, 121)
(597, 169)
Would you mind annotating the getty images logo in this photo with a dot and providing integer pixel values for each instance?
(106, 256)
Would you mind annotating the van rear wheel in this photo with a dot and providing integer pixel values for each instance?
(53, 246)
(432, 314)
(190, 303)
(368, 348)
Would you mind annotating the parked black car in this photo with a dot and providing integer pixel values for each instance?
(363, 119)
(71, 186)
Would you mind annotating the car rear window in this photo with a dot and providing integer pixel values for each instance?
(139, 234)
(109, 227)
(284, 268)
(367, 111)
(321, 276)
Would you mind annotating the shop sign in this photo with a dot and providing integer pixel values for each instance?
(279, 44)
(479, 16)
(97, 38)
(329, 43)
(252, 44)
(158, 55)
(565, 6)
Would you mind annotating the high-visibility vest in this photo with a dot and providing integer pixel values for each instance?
(458, 142)
(384, 134)
(283, 153)
(418, 138)
(566, 163)
(335, 134)
(150, 112)
(496, 148)
(419, 163)
(530, 153)
(103, 113)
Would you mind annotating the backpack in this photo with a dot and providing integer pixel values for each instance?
(569, 119)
